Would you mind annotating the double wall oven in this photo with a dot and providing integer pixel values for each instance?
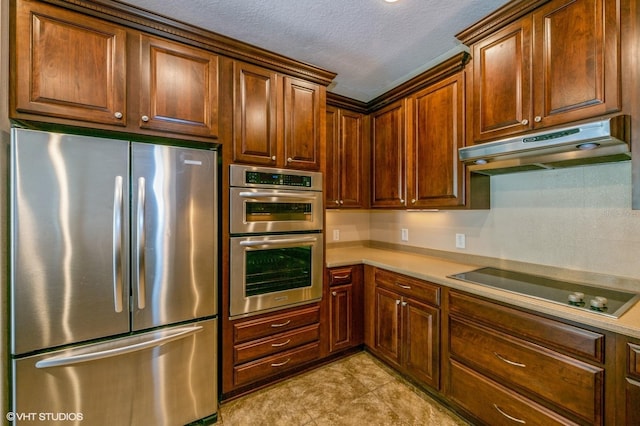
(276, 238)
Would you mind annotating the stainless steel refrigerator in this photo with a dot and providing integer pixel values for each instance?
(113, 281)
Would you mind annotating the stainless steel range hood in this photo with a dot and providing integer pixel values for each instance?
(600, 141)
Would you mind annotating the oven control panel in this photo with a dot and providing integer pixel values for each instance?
(265, 177)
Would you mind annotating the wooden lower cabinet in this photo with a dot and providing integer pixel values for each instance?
(272, 344)
(629, 381)
(519, 367)
(406, 327)
(345, 307)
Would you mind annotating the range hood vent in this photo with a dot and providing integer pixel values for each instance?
(602, 141)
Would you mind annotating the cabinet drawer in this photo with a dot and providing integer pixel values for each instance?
(421, 290)
(494, 404)
(266, 367)
(547, 332)
(633, 357)
(274, 344)
(340, 276)
(571, 384)
(266, 326)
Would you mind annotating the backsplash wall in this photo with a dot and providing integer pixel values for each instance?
(577, 218)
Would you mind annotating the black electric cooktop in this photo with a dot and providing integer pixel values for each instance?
(604, 301)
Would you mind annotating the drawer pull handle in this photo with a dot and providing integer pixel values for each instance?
(406, 287)
(334, 293)
(287, 322)
(508, 416)
(280, 364)
(503, 359)
(277, 345)
(341, 277)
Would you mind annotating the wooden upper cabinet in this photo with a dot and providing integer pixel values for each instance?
(302, 124)
(178, 88)
(556, 65)
(346, 172)
(388, 156)
(502, 82)
(435, 176)
(68, 65)
(277, 119)
(576, 60)
(255, 115)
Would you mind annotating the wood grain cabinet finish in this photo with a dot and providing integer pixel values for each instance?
(389, 156)
(277, 119)
(345, 301)
(435, 177)
(529, 357)
(629, 381)
(272, 344)
(346, 175)
(556, 65)
(82, 78)
(178, 88)
(406, 328)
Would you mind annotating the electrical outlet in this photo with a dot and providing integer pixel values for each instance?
(336, 235)
(461, 241)
(404, 234)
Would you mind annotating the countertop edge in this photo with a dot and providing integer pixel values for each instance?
(439, 268)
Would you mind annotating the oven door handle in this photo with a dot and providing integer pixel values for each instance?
(278, 242)
(294, 195)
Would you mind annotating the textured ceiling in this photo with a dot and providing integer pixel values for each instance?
(372, 45)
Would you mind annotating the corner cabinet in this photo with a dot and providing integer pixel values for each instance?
(74, 69)
(406, 322)
(277, 119)
(557, 64)
(346, 159)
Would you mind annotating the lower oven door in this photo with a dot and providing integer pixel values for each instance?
(272, 271)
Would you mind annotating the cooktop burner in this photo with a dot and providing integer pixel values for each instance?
(609, 302)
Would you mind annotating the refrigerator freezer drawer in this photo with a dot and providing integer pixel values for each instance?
(165, 377)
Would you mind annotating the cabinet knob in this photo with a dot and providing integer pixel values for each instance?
(537, 119)
(404, 303)
(337, 202)
(341, 202)
(273, 158)
(118, 115)
(525, 122)
(413, 201)
(289, 160)
(333, 293)
(402, 200)
(398, 302)
(144, 118)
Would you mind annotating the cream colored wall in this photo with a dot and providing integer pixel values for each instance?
(578, 218)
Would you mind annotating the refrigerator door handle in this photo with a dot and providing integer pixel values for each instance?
(93, 356)
(140, 244)
(117, 245)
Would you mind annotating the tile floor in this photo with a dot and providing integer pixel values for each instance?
(357, 390)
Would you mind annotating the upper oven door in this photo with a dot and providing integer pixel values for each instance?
(257, 210)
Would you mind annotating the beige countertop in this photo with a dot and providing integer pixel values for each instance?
(435, 268)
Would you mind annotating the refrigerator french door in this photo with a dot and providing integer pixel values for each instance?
(113, 268)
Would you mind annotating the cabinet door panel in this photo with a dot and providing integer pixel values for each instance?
(435, 174)
(387, 327)
(352, 168)
(421, 342)
(179, 88)
(69, 65)
(502, 82)
(576, 58)
(332, 177)
(255, 115)
(389, 135)
(301, 124)
(341, 317)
